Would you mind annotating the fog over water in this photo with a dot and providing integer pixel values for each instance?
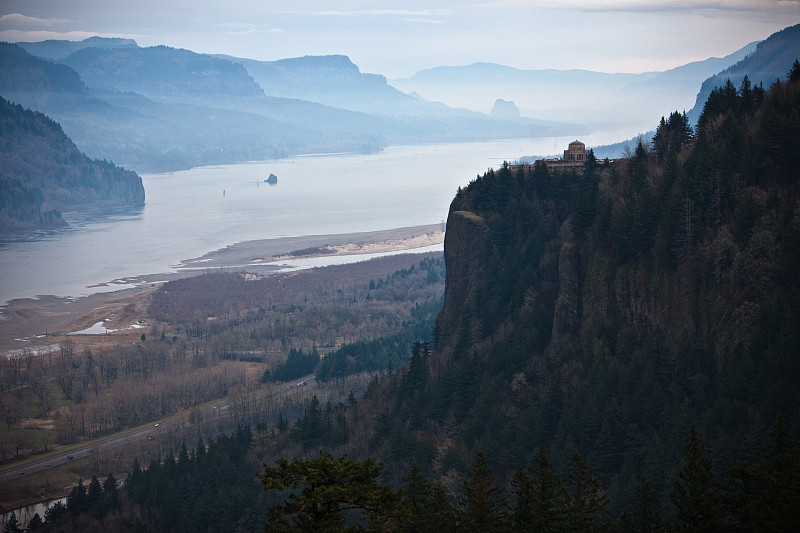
(191, 212)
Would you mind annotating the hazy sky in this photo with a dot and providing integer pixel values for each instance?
(397, 39)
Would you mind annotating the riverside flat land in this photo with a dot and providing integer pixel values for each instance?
(36, 323)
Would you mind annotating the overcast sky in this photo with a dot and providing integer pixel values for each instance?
(397, 38)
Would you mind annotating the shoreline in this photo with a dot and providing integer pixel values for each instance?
(29, 323)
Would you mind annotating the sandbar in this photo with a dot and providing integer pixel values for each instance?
(42, 322)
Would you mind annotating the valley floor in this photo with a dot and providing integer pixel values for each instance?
(36, 323)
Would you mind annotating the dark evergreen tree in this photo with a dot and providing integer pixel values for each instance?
(35, 523)
(794, 72)
(541, 501)
(585, 499)
(77, 501)
(484, 504)
(324, 491)
(428, 508)
(781, 470)
(110, 493)
(695, 494)
(12, 525)
(94, 498)
(646, 517)
(55, 513)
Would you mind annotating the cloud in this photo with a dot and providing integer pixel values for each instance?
(22, 21)
(406, 13)
(247, 28)
(650, 6)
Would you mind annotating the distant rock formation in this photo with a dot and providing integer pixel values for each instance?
(505, 110)
(272, 179)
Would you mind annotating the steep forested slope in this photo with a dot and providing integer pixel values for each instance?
(605, 311)
(44, 173)
(591, 322)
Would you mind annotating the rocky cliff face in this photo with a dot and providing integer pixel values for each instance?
(464, 254)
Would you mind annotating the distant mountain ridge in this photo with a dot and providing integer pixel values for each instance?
(161, 108)
(55, 50)
(330, 80)
(770, 61)
(598, 99)
(161, 71)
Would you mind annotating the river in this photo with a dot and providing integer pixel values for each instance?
(191, 212)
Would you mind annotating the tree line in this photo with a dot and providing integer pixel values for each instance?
(213, 488)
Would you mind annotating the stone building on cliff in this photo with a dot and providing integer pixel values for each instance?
(574, 157)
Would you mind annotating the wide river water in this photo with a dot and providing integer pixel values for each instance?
(191, 212)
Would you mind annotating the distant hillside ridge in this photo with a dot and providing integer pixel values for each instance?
(161, 71)
(332, 80)
(770, 61)
(598, 100)
(34, 81)
(44, 174)
(56, 50)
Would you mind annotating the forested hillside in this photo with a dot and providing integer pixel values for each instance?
(617, 349)
(603, 312)
(44, 173)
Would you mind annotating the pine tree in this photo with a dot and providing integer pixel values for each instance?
(647, 518)
(427, 505)
(484, 504)
(782, 478)
(584, 497)
(34, 523)
(794, 72)
(77, 502)
(323, 488)
(12, 526)
(110, 492)
(541, 499)
(94, 498)
(55, 513)
(695, 493)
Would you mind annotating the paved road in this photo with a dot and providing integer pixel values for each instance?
(114, 441)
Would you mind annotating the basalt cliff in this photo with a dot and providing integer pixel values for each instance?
(604, 311)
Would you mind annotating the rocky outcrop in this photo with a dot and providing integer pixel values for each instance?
(505, 110)
(464, 254)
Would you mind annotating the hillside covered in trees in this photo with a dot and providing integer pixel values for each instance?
(607, 314)
(603, 312)
(44, 174)
(617, 349)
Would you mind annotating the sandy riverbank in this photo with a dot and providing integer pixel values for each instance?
(266, 251)
(24, 322)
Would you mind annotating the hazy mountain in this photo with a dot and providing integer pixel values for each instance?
(334, 81)
(162, 72)
(162, 108)
(770, 61)
(141, 133)
(600, 100)
(35, 81)
(56, 49)
(763, 63)
(44, 173)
